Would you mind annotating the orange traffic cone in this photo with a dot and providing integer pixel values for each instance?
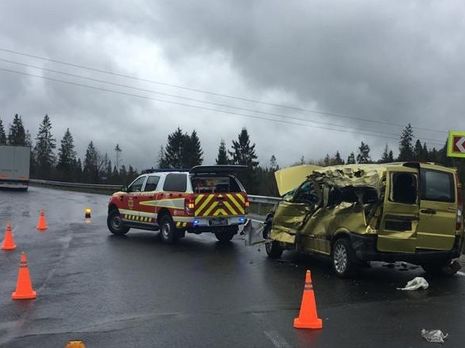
(42, 223)
(308, 317)
(24, 289)
(8, 241)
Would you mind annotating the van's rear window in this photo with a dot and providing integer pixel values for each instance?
(437, 186)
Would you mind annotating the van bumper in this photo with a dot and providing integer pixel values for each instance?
(365, 249)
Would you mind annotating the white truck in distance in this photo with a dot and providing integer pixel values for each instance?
(14, 166)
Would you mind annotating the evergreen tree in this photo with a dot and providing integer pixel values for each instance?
(66, 156)
(351, 158)
(390, 156)
(384, 156)
(17, 134)
(174, 150)
(192, 151)
(425, 152)
(363, 153)
(77, 170)
(90, 170)
(2, 134)
(327, 160)
(273, 166)
(43, 150)
(161, 163)
(405, 145)
(243, 152)
(28, 139)
(418, 151)
(222, 157)
(337, 159)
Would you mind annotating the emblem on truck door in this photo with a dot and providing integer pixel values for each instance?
(130, 203)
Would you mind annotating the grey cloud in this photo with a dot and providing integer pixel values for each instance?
(395, 61)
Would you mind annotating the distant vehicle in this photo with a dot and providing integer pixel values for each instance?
(203, 199)
(14, 166)
(375, 212)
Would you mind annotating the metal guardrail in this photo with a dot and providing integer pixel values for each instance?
(260, 200)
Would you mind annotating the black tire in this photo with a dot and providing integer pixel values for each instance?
(439, 268)
(115, 223)
(168, 232)
(225, 235)
(345, 263)
(273, 249)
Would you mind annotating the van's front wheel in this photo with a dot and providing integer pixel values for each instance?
(343, 258)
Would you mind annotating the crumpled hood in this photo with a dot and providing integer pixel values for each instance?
(287, 179)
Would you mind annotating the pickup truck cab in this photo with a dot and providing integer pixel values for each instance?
(203, 199)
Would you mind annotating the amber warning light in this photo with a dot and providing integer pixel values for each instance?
(87, 213)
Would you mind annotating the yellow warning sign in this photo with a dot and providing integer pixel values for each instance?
(456, 144)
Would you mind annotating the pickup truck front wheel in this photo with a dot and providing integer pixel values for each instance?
(115, 223)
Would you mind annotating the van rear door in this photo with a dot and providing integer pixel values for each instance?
(438, 210)
(398, 226)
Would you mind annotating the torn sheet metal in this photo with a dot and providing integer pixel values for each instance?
(356, 175)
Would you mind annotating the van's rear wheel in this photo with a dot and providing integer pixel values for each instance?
(439, 268)
(343, 258)
(115, 223)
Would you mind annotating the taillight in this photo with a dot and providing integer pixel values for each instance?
(247, 204)
(189, 204)
(458, 224)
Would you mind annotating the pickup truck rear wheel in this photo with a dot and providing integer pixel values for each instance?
(168, 231)
(225, 235)
(115, 223)
(343, 258)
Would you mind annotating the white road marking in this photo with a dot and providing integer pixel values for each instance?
(277, 340)
(460, 273)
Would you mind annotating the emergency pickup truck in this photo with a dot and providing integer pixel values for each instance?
(203, 199)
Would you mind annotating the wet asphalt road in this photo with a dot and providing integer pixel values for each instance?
(138, 292)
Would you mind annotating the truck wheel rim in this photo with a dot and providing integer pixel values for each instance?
(340, 258)
(165, 230)
(116, 222)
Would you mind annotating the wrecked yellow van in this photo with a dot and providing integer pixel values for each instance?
(374, 212)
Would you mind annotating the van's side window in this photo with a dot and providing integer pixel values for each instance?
(437, 186)
(404, 188)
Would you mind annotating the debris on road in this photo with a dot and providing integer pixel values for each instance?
(434, 336)
(415, 284)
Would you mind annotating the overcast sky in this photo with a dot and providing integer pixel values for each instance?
(375, 64)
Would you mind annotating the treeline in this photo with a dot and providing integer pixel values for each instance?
(48, 162)
(184, 150)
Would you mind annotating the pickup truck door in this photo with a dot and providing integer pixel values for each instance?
(131, 199)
